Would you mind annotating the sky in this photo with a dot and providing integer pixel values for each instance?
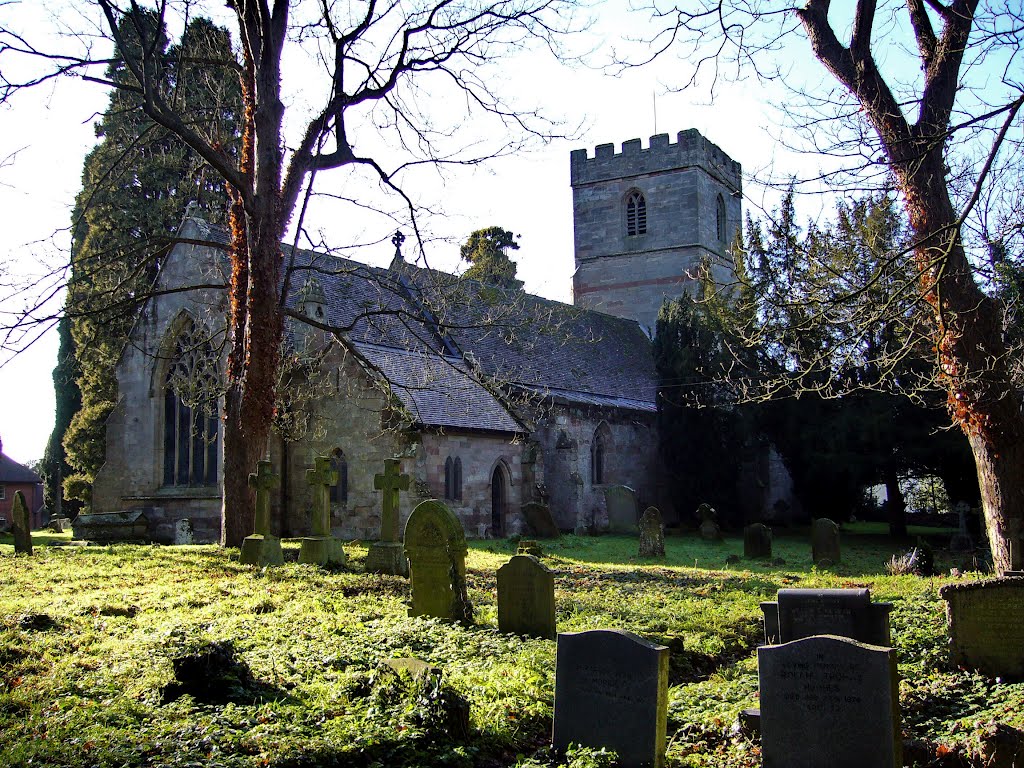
(46, 132)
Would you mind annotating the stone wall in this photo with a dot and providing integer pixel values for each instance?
(630, 276)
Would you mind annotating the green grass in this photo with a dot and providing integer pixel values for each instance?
(89, 638)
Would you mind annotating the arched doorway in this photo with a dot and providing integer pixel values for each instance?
(499, 499)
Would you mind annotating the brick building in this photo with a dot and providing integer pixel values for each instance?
(16, 477)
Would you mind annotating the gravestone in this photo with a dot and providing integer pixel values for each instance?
(824, 541)
(388, 554)
(539, 521)
(985, 621)
(829, 701)
(757, 542)
(529, 547)
(526, 598)
(107, 527)
(652, 533)
(709, 529)
(611, 690)
(21, 525)
(183, 531)
(800, 613)
(322, 548)
(59, 524)
(622, 510)
(262, 548)
(435, 545)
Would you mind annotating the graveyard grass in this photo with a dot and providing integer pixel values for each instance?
(91, 638)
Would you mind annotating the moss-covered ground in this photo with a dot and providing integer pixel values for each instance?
(179, 656)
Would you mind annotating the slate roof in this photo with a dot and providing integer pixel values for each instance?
(432, 334)
(13, 472)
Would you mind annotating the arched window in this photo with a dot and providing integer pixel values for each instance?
(339, 491)
(598, 455)
(720, 219)
(499, 500)
(191, 393)
(636, 213)
(453, 479)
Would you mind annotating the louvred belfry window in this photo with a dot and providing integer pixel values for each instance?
(636, 214)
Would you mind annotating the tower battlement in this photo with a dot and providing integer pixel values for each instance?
(691, 149)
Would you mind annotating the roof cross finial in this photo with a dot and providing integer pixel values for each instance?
(396, 240)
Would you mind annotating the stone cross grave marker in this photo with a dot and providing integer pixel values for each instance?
(322, 548)
(388, 554)
(985, 622)
(757, 542)
(652, 533)
(526, 598)
(21, 525)
(435, 545)
(611, 690)
(824, 542)
(709, 529)
(800, 613)
(622, 509)
(262, 548)
(539, 521)
(829, 701)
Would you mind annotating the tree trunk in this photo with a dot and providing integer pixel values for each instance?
(895, 505)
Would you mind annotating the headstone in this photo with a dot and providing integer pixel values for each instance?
(107, 527)
(985, 621)
(652, 533)
(829, 701)
(322, 548)
(709, 529)
(622, 509)
(961, 541)
(611, 690)
(757, 542)
(526, 598)
(183, 531)
(539, 521)
(59, 524)
(825, 541)
(21, 525)
(262, 548)
(800, 613)
(529, 547)
(388, 554)
(436, 548)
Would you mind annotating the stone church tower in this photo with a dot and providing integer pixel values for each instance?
(645, 218)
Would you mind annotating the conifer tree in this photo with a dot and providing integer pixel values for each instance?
(486, 250)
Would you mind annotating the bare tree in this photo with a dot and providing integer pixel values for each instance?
(380, 59)
(937, 117)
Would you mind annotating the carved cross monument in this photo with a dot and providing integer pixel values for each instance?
(321, 548)
(262, 548)
(388, 555)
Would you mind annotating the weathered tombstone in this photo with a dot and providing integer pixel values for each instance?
(183, 530)
(435, 545)
(961, 541)
(757, 542)
(800, 613)
(262, 548)
(112, 526)
(388, 554)
(824, 541)
(622, 509)
(539, 521)
(526, 598)
(986, 626)
(709, 529)
(21, 525)
(322, 548)
(529, 547)
(611, 690)
(829, 701)
(652, 533)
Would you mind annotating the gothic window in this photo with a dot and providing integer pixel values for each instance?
(339, 491)
(453, 478)
(636, 213)
(599, 447)
(191, 392)
(720, 219)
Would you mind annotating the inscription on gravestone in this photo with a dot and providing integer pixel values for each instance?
(829, 701)
(986, 626)
(611, 690)
(436, 547)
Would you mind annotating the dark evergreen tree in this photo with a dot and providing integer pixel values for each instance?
(54, 467)
(486, 250)
(137, 184)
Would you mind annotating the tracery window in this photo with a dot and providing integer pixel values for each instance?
(191, 394)
(636, 213)
(339, 491)
(453, 478)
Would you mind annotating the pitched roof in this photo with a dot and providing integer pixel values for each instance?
(13, 472)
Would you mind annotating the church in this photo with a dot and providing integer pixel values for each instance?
(491, 398)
